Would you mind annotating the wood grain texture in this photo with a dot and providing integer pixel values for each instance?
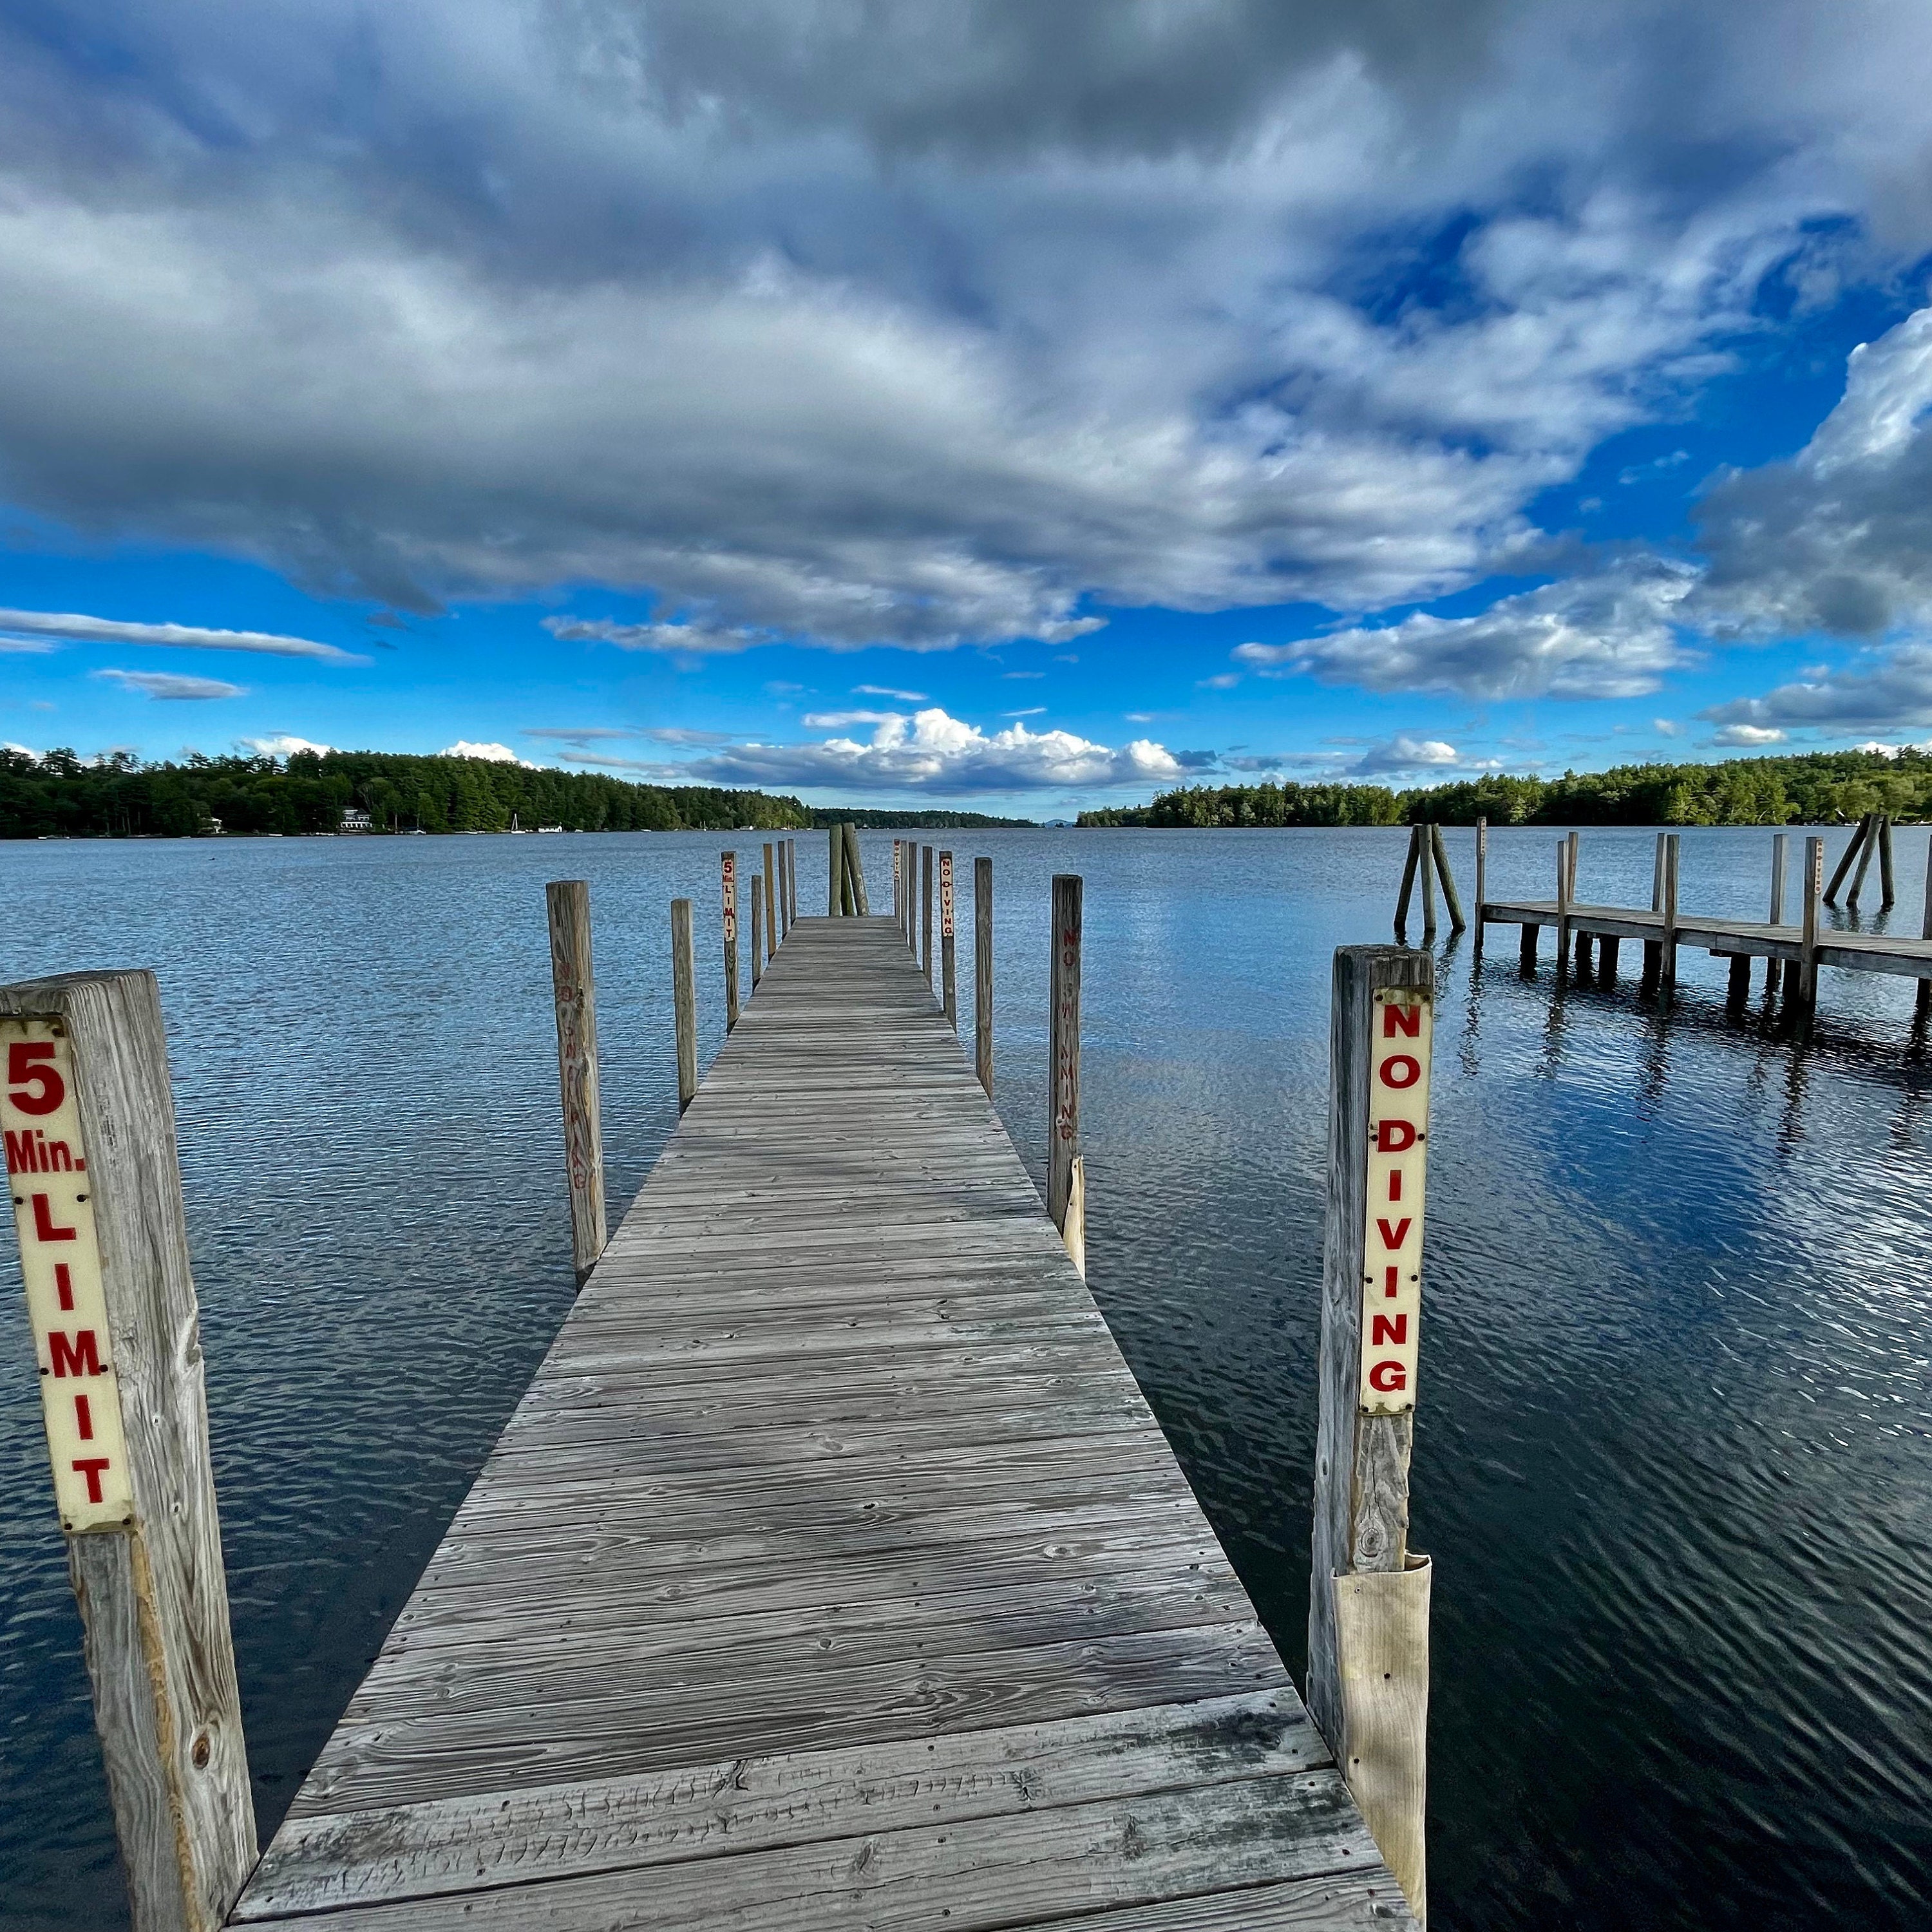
(925, 914)
(856, 873)
(1871, 833)
(1063, 1046)
(1426, 877)
(1853, 847)
(1360, 1477)
(154, 1598)
(684, 995)
(832, 1569)
(982, 973)
(774, 929)
(574, 987)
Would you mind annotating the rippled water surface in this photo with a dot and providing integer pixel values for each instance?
(1673, 1457)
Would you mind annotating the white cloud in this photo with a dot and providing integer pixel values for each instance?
(840, 720)
(706, 640)
(1611, 635)
(1747, 736)
(1665, 728)
(167, 684)
(77, 629)
(284, 745)
(886, 691)
(1402, 754)
(1031, 711)
(1887, 687)
(491, 753)
(932, 752)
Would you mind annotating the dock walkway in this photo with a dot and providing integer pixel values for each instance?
(833, 1571)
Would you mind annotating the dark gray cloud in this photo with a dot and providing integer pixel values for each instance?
(163, 684)
(1884, 688)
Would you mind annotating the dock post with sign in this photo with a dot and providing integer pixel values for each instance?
(982, 973)
(728, 865)
(1368, 1621)
(574, 987)
(948, 964)
(89, 1123)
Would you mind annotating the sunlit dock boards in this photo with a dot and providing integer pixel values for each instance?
(833, 1571)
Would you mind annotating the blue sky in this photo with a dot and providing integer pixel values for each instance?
(972, 403)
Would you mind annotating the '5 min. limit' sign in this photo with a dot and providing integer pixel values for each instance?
(1401, 1021)
(60, 1258)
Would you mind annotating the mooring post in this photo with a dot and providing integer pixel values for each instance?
(1922, 1006)
(771, 905)
(1874, 829)
(1653, 949)
(982, 972)
(855, 874)
(1844, 865)
(1526, 953)
(1482, 877)
(757, 932)
(1562, 908)
(949, 983)
(1808, 946)
(575, 989)
(111, 1304)
(1887, 894)
(1408, 869)
(1368, 1607)
(1450, 898)
(1668, 982)
(1606, 959)
(1067, 1174)
(1780, 843)
(684, 995)
(898, 903)
(925, 914)
(1426, 873)
(791, 875)
(834, 878)
(729, 865)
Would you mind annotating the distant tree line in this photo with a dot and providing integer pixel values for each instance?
(875, 820)
(1818, 788)
(116, 796)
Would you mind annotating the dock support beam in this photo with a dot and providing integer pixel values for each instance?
(836, 874)
(728, 867)
(575, 989)
(1066, 1175)
(774, 902)
(1368, 1622)
(982, 972)
(684, 995)
(757, 932)
(1563, 855)
(1526, 955)
(948, 975)
(1807, 952)
(111, 1301)
(1653, 949)
(1921, 1006)
(1667, 980)
(1780, 844)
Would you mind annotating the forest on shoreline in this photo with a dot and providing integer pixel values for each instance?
(1814, 788)
(61, 795)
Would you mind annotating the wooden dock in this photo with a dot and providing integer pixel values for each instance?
(833, 1571)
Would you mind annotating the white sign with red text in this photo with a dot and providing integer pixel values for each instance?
(1402, 1021)
(730, 871)
(946, 895)
(60, 1258)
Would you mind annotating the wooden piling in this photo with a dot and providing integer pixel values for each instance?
(1780, 843)
(1737, 988)
(729, 866)
(834, 877)
(112, 1307)
(771, 876)
(926, 912)
(1368, 1595)
(1887, 894)
(1607, 959)
(1807, 956)
(1667, 978)
(1526, 953)
(1922, 1004)
(757, 933)
(1425, 874)
(684, 995)
(1580, 950)
(1451, 899)
(1482, 877)
(982, 972)
(1844, 866)
(574, 987)
(855, 868)
(1409, 865)
(1874, 825)
(1562, 908)
(898, 896)
(948, 981)
(1653, 949)
(1066, 1183)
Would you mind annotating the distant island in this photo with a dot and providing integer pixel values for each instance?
(872, 819)
(1817, 788)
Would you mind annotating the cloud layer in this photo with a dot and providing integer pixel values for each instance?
(77, 629)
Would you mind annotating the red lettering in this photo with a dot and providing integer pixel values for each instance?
(1388, 1377)
(56, 1157)
(1394, 1136)
(91, 1467)
(1389, 1328)
(48, 1090)
(83, 1417)
(64, 1283)
(44, 1229)
(20, 1153)
(1390, 1277)
(1402, 1019)
(1395, 1183)
(1395, 1238)
(79, 1356)
(1401, 1069)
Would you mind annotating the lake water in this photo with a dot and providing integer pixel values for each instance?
(1673, 1458)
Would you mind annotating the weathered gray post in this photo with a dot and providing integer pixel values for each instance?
(1450, 898)
(1562, 908)
(898, 905)
(1668, 982)
(1426, 872)
(925, 912)
(1808, 944)
(1368, 1619)
(771, 903)
(96, 1183)
(1844, 865)
(575, 988)
(1887, 894)
(1066, 1176)
(1482, 877)
(834, 877)
(1874, 827)
(982, 971)
(949, 984)
(728, 864)
(1409, 864)
(757, 932)
(1780, 845)
(1922, 1006)
(684, 996)
(855, 872)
